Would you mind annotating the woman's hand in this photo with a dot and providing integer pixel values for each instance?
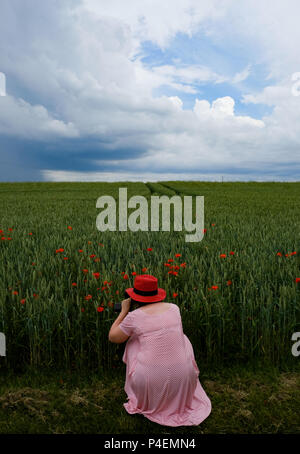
(126, 305)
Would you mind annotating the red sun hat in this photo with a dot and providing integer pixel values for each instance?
(146, 289)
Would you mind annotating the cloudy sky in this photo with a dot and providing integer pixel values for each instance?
(143, 90)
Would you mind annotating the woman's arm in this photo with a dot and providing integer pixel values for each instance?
(116, 335)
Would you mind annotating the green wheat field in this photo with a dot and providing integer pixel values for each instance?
(237, 289)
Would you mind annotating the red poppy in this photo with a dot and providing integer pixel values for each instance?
(35, 295)
(214, 287)
(117, 292)
(149, 248)
(92, 256)
(183, 264)
(66, 258)
(101, 244)
(80, 250)
(74, 284)
(97, 260)
(8, 238)
(279, 254)
(297, 280)
(229, 282)
(97, 275)
(59, 250)
(222, 256)
(293, 253)
(213, 225)
(82, 309)
(85, 271)
(15, 292)
(33, 264)
(167, 264)
(110, 304)
(69, 227)
(171, 260)
(23, 301)
(177, 255)
(144, 269)
(105, 282)
(3, 238)
(88, 297)
(100, 309)
(125, 276)
(204, 230)
(30, 233)
(231, 253)
(175, 294)
(133, 273)
(10, 229)
(89, 242)
(1, 231)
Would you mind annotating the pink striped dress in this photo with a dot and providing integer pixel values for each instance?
(161, 372)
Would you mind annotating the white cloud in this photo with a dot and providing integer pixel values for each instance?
(78, 78)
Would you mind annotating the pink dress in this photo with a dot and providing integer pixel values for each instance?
(161, 372)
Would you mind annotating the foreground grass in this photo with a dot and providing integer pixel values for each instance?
(244, 400)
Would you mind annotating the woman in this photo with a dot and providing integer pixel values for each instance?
(161, 372)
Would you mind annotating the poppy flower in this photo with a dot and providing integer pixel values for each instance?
(1, 231)
(231, 253)
(144, 269)
(80, 250)
(171, 260)
(66, 258)
(10, 229)
(89, 242)
(23, 301)
(69, 227)
(117, 292)
(110, 304)
(82, 309)
(229, 282)
(97, 260)
(33, 264)
(133, 273)
(8, 238)
(167, 264)
(85, 271)
(297, 280)
(213, 225)
(3, 238)
(222, 256)
(183, 265)
(30, 233)
(92, 256)
(175, 294)
(74, 284)
(101, 244)
(59, 250)
(177, 255)
(100, 309)
(214, 287)
(149, 248)
(204, 230)
(279, 254)
(293, 253)
(35, 295)
(88, 297)
(125, 276)
(15, 292)
(97, 275)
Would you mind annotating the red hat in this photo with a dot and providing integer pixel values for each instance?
(145, 289)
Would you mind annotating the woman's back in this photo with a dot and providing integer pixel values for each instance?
(161, 374)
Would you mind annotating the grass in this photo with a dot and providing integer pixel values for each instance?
(245, 400)
(48, 322)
